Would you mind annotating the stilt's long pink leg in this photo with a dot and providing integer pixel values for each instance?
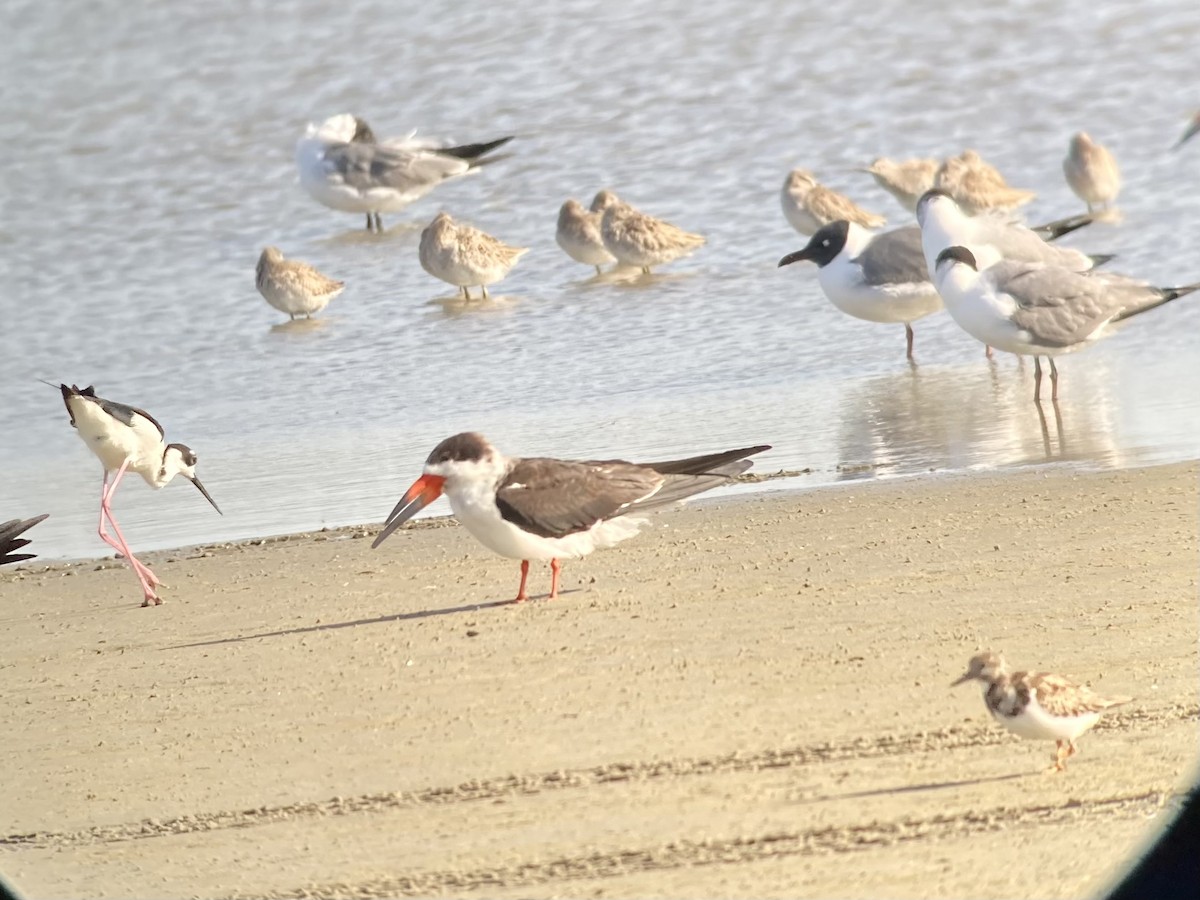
(136, 564)
(107, 538)
(149, 597)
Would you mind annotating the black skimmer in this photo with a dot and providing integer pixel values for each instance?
(127, 438)
(11, 540)
(539, 508)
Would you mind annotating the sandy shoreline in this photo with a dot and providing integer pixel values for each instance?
(750, 700)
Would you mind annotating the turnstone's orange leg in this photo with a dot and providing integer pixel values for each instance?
(1061, 752)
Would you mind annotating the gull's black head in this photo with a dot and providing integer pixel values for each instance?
(823, 247)
(362, 132)
(928, 197)
(958, 255)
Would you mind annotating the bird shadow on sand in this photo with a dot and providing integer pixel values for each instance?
(401, 232)
(916, 788)
(455, 305)
(300, 326)
(377, 620)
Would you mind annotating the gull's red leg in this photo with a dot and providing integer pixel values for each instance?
(521, 592)
(555, 568)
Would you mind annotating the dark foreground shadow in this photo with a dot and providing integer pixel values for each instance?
(354, 623)
(918, 788)
(378, 620)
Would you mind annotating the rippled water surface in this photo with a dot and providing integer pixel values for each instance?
(150, 159)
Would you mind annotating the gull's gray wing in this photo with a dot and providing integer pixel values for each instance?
(1060, 308)
(894, 257)
(366, 166)
(1017, 242)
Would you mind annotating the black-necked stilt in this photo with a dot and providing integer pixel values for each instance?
(343, 166)
(11, 540)
(292, 286)
(1034, 309)
(127, 438)
(539, 508)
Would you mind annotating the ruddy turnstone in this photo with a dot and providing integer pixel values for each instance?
(1038, 705)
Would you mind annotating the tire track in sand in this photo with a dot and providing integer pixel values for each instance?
(773, 845)
(509, 786)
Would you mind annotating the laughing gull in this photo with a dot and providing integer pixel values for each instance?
(464, 256)
(1091, 171)
(1034, 309)
(977, 185)
(539, 508)
(905, 179)
(11, 540)
(578, 234)
(293, 287)
(809, 206)
(640, 240)
(877, 277)
(343, 166)
(127, 438)
(991, 236)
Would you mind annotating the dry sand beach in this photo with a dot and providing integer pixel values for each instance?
(750, 700)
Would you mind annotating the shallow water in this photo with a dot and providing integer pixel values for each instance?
(150, 159)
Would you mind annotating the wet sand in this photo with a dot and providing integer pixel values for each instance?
(749, 700)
